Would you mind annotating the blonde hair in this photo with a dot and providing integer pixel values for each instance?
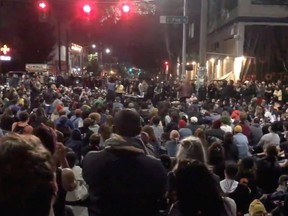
(191, 148)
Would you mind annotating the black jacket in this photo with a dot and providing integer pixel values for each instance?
(123, 180)
(268, 173)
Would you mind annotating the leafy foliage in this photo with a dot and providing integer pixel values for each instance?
(115, 12)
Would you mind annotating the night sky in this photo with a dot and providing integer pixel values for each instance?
(138, 40)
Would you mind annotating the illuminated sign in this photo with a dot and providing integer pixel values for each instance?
(5, 58)
(76, 48)
(5, 49)
(36, 67)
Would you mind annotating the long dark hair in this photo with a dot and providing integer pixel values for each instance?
(197, 190)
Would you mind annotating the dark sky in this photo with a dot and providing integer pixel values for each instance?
(139, 40)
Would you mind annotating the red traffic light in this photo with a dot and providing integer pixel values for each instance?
(87, 8)
(126, 8)
(42, 5)
(166, 62)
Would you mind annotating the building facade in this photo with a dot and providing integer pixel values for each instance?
(247, 38)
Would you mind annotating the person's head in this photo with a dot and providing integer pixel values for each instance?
(174, 116)
(149, 130)
(174, 135)
(191, 148)
(257, 208)
(283, 180)
(216, 154)
(127, 123)
(47, 137)
(144, 137)
(156, 120)
(273, 128)
(96, 117)
(231, 171)
(62, 112)
(271, 151)
(247, 166)
(71, 159)
(23, 116)
(228, 138)
(87, 122)
(182, 123)
(76, 135)
(196, 184)
(237, 129)
(27, 182)
(40, 112)
(94, 139)
(216, 124)
(78, 113)
(194, 120)
(105, 131)
(225, 120)
(243, 116)
(7, 112)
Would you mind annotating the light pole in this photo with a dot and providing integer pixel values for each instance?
(203, 33)
(184, 41)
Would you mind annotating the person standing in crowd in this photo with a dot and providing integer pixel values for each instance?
(143, 87)
(256, 131)
(22, 126)
(6, 120)
(157, 128)
(272, 138)
(230, 149)
(119, 90)
(172, 144)
(241, 141)
(184, 131)
(122, 175)
(245, 127)
(277, 94)
(185, 91)
(76, 119)
(197, 192)
(35, 88)
(110, 90)
(268, 170)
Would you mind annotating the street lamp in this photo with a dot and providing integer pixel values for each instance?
(107, 51)
(93, 46)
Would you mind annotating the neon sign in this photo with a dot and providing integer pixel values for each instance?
(5, 49)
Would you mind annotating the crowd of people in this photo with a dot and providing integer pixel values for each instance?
(144, 148)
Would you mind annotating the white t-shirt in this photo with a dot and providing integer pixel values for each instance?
(226, 128)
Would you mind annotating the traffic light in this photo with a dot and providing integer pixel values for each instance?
(126, 8)
(166, 62)
(87, 9)
(43, 11)
(42, 5)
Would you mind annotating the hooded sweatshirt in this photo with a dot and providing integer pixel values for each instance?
(228, 185)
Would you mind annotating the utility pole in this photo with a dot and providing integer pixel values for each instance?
(184, 41)
(202, 72)
(203, 33)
